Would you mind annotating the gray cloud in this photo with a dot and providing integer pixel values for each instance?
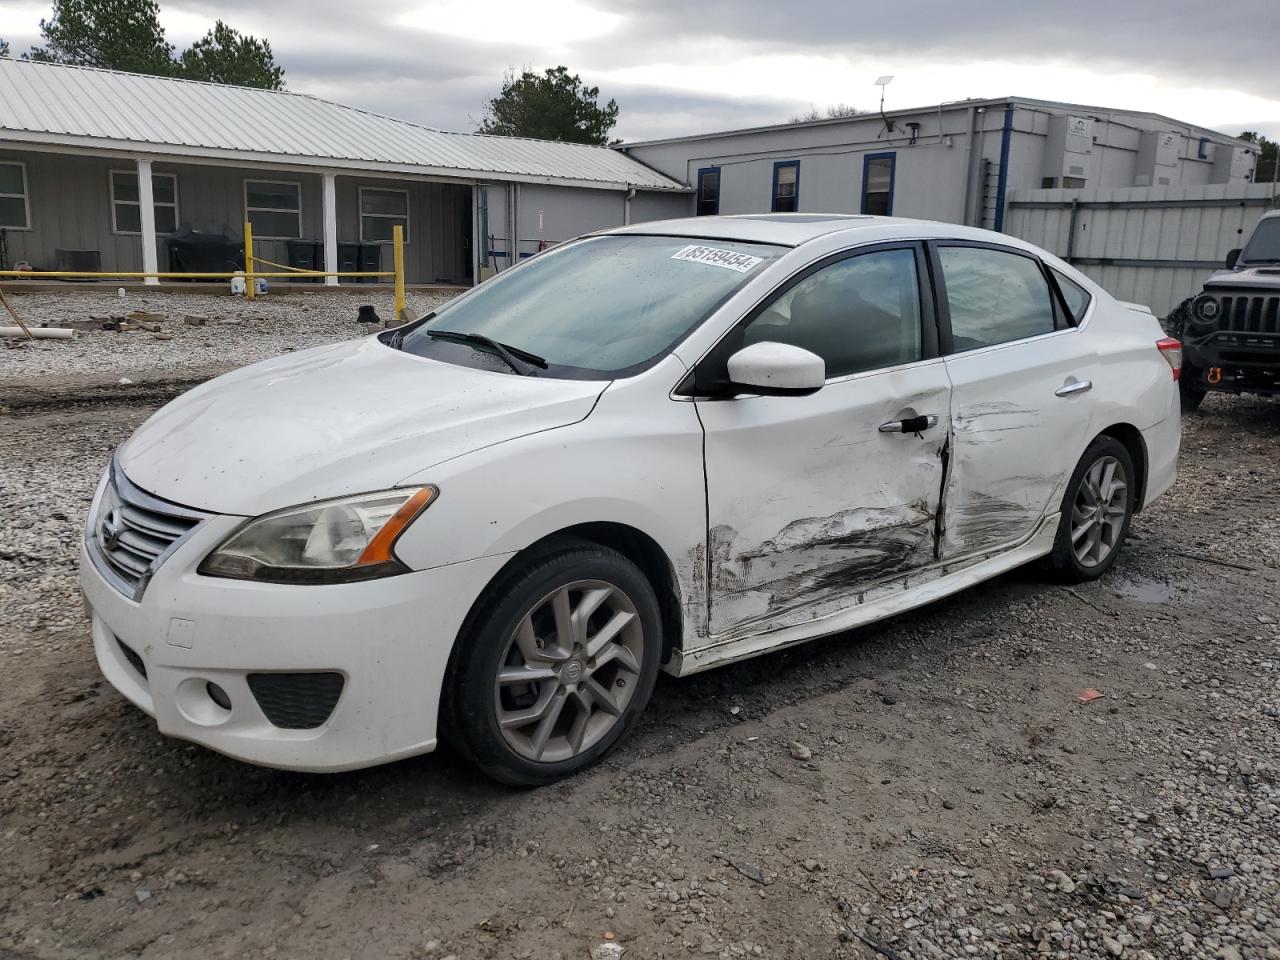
(368, 61)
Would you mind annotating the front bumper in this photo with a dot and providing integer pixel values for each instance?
(389, 640)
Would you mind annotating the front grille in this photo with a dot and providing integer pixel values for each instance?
(133, 531)
(1245, 313)
(296, 701)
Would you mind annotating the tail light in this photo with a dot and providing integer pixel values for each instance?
(1171, 350)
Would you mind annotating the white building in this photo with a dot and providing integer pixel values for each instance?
(954, 161)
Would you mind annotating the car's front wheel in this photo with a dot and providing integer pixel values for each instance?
(558, 662)
(1096, 510)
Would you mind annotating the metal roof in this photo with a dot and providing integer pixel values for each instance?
(88, 107)
(873, 115)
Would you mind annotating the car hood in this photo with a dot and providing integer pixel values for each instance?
(1259, 276)
(332, 421)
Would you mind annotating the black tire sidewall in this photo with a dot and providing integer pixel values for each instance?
(1063, 557)
(470, 685)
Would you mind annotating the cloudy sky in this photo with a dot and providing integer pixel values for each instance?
(676, 66)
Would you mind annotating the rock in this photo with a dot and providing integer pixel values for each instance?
(142, 895)
(800, 751)
(607, 951)
(195, 320)
(1112, 946)
(811, 865)
(124, 381)
(1062, 882)
(948, 805)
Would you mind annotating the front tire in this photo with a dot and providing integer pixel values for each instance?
(558, 661)
(1097, 508)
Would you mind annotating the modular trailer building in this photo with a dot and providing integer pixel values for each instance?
(955, 162)
(99, 165)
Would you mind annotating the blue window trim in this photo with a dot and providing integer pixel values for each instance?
(892, 157)
(778, 165)
(1002, 182)
(697, 194)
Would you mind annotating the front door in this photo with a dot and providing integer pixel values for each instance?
(1021, 408)
(809, 500)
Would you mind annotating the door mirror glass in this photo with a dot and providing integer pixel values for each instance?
(1232, 257)
(777, 369)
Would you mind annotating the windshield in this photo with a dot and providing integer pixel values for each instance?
(597, 308)
(1264, 245)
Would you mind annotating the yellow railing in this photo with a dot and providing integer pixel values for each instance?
(249, 273)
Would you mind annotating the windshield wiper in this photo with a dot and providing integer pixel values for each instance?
(521, 361)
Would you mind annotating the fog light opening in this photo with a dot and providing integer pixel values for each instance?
(217, 695)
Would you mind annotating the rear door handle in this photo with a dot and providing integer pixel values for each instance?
(1074, 387)
(910, 424)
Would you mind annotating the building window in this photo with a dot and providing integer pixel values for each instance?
(380, 210)
(14, 211)
(877, 183)
(126, 210)
(786, 186)
(274, 208)
(708, 191)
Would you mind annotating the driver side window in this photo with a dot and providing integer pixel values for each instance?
(857, 314)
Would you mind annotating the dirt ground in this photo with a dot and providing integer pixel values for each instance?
(953, 797)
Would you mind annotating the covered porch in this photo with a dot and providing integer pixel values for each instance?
(115, 212)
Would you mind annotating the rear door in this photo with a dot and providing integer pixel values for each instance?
(809, 500)
(1021, 376)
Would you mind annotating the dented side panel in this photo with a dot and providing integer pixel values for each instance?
(809, 503)
(1014, 442)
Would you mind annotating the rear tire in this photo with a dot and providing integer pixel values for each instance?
(555, 665)
(1097, 508)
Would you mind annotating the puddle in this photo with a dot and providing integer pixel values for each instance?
(1144, 590)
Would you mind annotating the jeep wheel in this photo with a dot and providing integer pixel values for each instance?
(1190, 390)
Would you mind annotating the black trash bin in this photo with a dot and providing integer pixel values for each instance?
(348, 261)
(371, 260)
(306, 255)
(199, 251)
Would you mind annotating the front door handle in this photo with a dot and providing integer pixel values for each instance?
(910, 424)
(1074, 387)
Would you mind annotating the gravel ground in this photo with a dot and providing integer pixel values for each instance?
(928, 787)
(238, 331)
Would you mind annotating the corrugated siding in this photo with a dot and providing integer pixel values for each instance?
(105, 105)
(439, 217)
(1180, 244)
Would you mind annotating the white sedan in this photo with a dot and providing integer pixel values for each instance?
(669, 446)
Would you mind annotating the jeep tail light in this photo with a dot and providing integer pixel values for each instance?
(1171, 350)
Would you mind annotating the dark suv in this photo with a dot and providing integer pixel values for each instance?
(1230, 332)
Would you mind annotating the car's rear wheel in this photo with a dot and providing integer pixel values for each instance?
(559, 662)
(1096, 510)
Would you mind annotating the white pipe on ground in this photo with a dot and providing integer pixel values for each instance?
(39, 333)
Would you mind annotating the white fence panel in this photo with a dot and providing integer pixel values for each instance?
(1152, 245)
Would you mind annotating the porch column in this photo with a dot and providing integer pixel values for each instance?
(330, 228)
(147, 209)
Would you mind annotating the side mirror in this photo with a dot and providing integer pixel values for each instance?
(777, 370)
(1232, 257)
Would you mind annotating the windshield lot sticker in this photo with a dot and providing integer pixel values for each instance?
(738, 262)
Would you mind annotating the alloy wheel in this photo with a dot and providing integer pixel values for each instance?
(569, 671)
(1099, 512)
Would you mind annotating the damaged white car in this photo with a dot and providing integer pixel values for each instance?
(665, 447)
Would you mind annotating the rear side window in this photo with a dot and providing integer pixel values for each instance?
(862, 313)
(1076, 296)
(994, 297)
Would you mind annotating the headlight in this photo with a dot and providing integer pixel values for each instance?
(1205, 309)
(333, 541)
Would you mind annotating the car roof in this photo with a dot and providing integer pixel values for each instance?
(794, 229)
